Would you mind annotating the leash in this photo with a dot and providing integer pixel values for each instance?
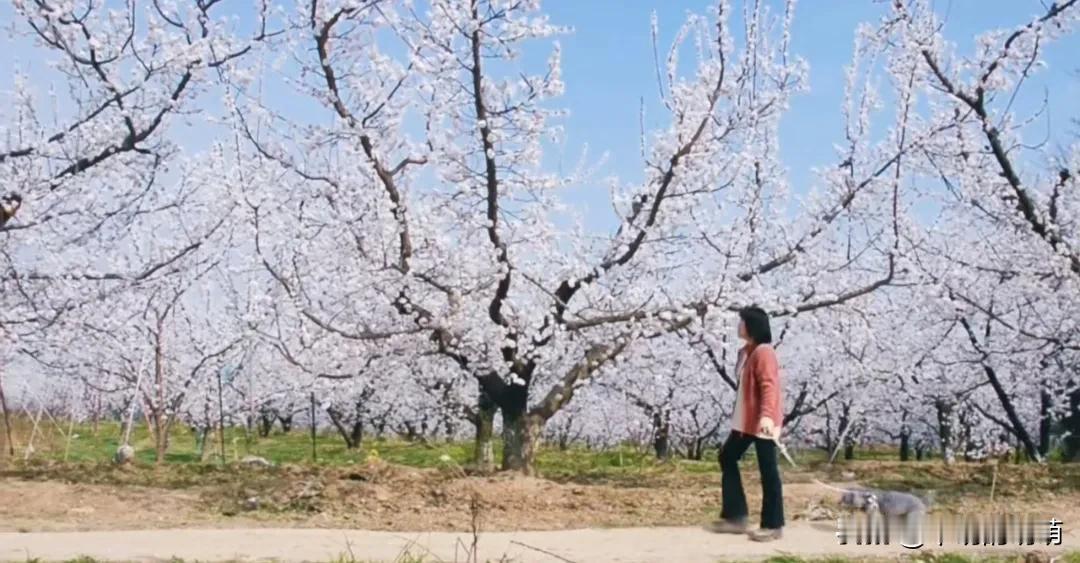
(837, 489)
(784, 452)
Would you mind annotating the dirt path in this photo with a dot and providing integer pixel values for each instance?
(686, 545)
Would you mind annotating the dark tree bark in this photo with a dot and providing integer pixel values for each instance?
(484, 450)
(513, 408)
(286, 422)
(1045, 419)
(411, 432)
(829, 445)
(351, 431)
(662, 435)
(905, 438)
(266, 424)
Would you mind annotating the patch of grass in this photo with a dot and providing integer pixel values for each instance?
(86, 458)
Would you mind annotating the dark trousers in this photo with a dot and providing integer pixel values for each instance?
(734, 498)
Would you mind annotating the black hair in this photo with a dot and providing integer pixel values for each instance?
(757, 324)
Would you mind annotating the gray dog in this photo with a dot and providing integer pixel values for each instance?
(891, 506)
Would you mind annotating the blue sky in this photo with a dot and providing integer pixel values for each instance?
(608, 68)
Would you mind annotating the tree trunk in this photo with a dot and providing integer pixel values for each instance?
(206, 437)
(160, 427)
(451, 428)
(7, 421)
(513, 407)
(1045, 420)
(410, 431)
(513, 420)
(357, 433)
(286, 423)
(521, 432)
(905, 438)
(422, 432)
(95, 414)
(484, 451)
(266, 424)
(1071, 425)
(945, 430)
(965, 434)
(160, 438)
(849, 451)
(829, 446)
(696, 451)
(521, 442)
(662, 435)
(351, 434)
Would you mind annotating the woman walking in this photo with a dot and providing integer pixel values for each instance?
(756, 420)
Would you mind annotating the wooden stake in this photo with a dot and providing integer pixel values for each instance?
(221, 416)
(134, 397)
(33, 433)
(67, 447)
(314, 457)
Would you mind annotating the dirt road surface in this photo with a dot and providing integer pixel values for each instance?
(642, 545)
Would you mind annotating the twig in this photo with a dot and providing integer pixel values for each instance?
(537, 549)
(460, 544)
(348, 546)
(415, 543)
(474, 509)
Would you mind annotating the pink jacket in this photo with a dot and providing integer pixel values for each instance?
(759, 390)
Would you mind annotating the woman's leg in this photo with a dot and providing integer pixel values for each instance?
(772, 499)
(734, 497)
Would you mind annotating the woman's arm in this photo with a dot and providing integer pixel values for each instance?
(768, 385)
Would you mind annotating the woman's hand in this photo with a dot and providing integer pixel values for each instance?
(767, 427)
